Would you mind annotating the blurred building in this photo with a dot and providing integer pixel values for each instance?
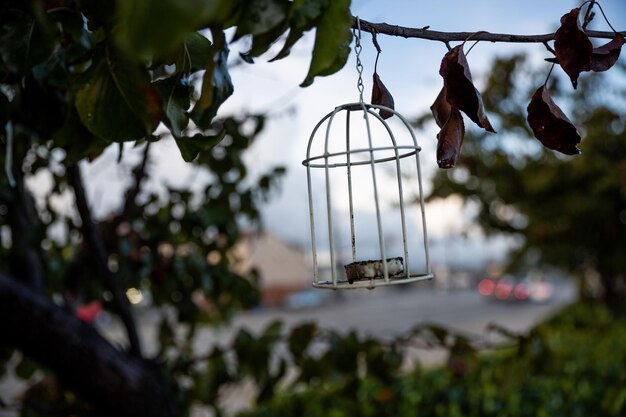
(283, 267)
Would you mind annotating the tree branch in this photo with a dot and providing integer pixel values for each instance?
(433, 35)
(94, 240)
(25, 256)
(114, 381)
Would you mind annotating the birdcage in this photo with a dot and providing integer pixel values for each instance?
(356, 160)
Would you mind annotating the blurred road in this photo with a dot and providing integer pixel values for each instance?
(391, 311)
(388, 312)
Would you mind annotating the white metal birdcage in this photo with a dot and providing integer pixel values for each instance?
(369, 165)
(375, 171)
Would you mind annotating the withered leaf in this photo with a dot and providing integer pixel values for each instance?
(572, 46)
(450, 139)
(382, 97)
(605, 56)
(460, 91)
(550, 125)
(441, 108)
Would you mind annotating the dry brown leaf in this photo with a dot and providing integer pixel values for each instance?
(461, 92)
(550, 125)
(450, 139)
(605, 56)
(572, 46)
(382, 97)
(441, 108)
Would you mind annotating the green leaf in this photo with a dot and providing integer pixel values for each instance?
(216, 85)
(115, 100)
(300, 339)
(272, 332)
(175, 96)
(190, 147)
(439, 332)
(196, 54)
(24, 44)
(26, 368)
(77, 141)
(332, 41)
(261, 43)
(261, 16)
(149, 27)
(304, 16)
(77, 41)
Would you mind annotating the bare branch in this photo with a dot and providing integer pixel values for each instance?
(433, 35)
(94, 240)
(139, 174)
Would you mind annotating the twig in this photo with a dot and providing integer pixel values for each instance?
(549, 48)
(409, 32)
(589, 15)
(139, 174)
(549, 74)
(8, 156)
(94, 240)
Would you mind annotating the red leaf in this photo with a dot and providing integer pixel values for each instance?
(441, 108)
(550, 125)
(605, 56)
(572, 46)
(461, 92)
(382, 97)
(450, 140)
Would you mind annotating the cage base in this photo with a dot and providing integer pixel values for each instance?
(371, 283)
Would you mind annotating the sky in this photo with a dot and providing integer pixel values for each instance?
(409, 69)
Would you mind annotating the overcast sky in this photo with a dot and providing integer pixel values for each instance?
(409, 68)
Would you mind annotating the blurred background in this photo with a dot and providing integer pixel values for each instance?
(516, 232)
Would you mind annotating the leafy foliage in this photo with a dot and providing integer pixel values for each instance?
(332, 41)
(95, 59)
(563, 366)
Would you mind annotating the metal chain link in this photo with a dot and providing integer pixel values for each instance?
(359, 65)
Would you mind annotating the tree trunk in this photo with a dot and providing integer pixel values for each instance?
(113, 381)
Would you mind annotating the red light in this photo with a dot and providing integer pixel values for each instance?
(521, 291)
(485, 287)
(503, 290)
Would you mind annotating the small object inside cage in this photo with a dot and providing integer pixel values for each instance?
(364, 270)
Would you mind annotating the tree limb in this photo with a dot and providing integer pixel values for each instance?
(94, 240)
(25, 256)
(433, 35)
(114, 381)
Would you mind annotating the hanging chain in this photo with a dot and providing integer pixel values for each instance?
(359, 65)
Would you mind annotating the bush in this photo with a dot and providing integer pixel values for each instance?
(570, 365)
